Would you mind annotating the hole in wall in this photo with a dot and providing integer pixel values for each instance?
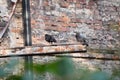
(17, 37)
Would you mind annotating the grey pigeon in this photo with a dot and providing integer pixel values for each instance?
(50, 38)
(81, 38)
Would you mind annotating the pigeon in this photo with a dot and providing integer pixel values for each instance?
(50, 38)
(81, 38)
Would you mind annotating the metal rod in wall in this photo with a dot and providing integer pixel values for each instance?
(27, 37)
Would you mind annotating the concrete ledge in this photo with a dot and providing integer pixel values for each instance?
(42, 49)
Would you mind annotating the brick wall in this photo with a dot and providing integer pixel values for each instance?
(98, 20)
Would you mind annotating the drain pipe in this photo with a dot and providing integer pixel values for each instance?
(27, 38)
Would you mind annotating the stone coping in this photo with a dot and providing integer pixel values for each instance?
(42, 49)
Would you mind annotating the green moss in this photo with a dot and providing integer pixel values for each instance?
(115, 74)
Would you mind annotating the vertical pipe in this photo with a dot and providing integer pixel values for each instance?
(27, 37)
(27, 22)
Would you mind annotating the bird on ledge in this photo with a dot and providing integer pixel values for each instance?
(50, 38)
(81, 38)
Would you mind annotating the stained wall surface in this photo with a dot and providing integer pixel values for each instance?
(97, 20)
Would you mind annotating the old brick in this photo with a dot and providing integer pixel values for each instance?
(76, 20)
(62, 29)
(64, 25)
(48, 23)
(15, 30)
(78, 5)
(33, 22)
(50, 28)
(65, 19)
(79, 1)
(115, 57)
(37, 40)
(45, 3)
(64, 4)
(72, 25)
